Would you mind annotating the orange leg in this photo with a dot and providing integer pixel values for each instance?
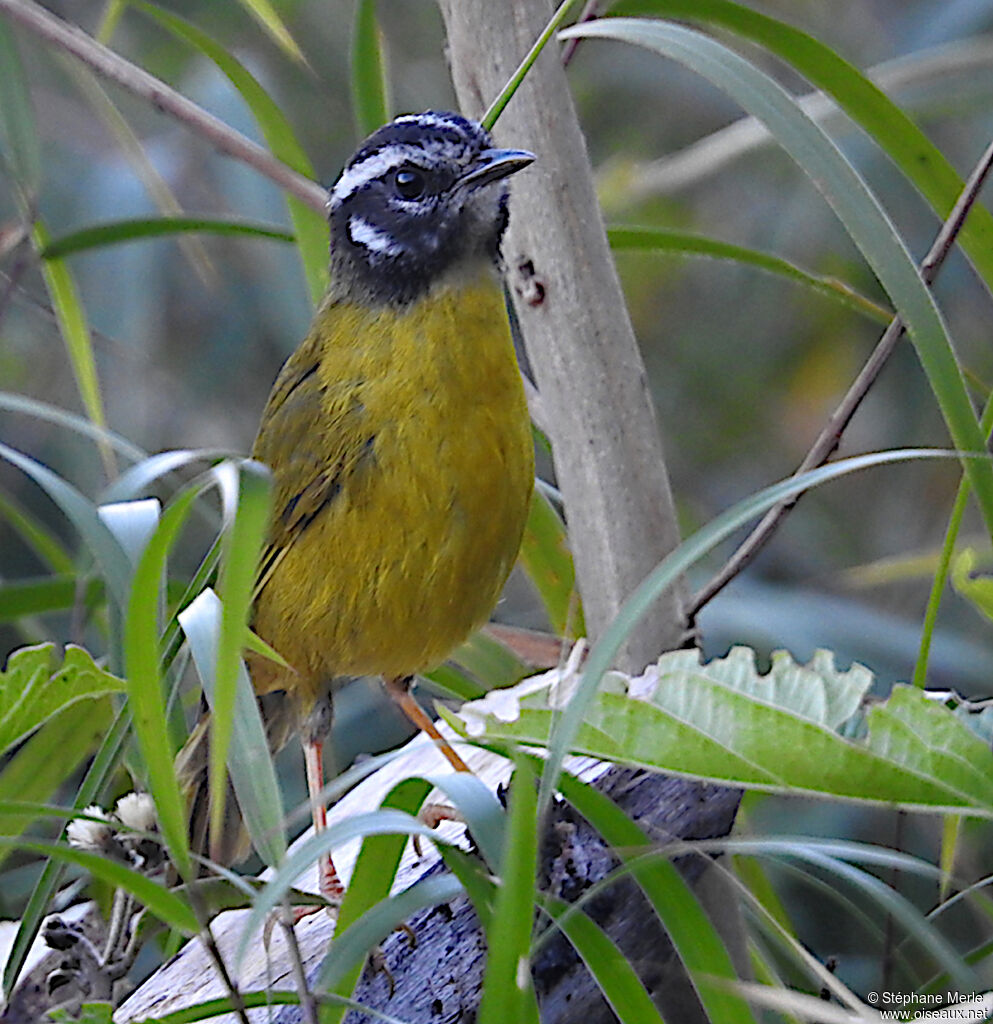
(330, 884)
(399, 691)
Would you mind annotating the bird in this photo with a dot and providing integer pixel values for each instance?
(397, 435)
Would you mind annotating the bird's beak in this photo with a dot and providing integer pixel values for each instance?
(493, 164)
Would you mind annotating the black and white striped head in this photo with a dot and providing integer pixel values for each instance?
(423, 194)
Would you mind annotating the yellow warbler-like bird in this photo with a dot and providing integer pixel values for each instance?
(397, 433)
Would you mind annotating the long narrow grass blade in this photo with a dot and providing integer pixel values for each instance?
(496, 108)
(78, 341)
(547, 560)
(159, 900)
(683, 243)
(861, 99)
(70, 421)
(82, 513)
(508, 994)
(617, 979)
(146, 692)
(248, 758)
(17, 122)
(855, 205)
(372, 879)
(137, 229)
(310, 227)
(101, 766)
(244, 490)
(668, 571)
(694, 937)
(368, 70)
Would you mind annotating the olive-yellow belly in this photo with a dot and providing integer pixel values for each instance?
(403, 462)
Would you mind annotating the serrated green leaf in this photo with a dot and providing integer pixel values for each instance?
(682, 243)
(310, 227)
(34, 687)
(50, 756)
(137, 229)
(731, 725)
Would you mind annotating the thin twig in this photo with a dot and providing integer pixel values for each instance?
(308, 1005)
(830, 437)
(589, 13)
(114, 67)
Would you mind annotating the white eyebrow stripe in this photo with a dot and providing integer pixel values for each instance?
(377, 241)
(373, 167)
(428, 120)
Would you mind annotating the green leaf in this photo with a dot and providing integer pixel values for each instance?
(82, 513)
(248, 758)
(506, 93)
(306, 854)
(39, 595)
(17, 121)
(696, 940)
(34, 687)
(508, 994)
(547, 560)
(267, 16)
(372, 878)
(37, 536)
(142, 658)
(613, 973)
(75, 332)
(977, 590)
(368, 70)
(850, 198)
(863, 101)
(52, 755)
(156, 898)
(682, 243)
(71, 422)
(244, 487)
(101, 766)
(310, 227)
(138, 228)
(723, 721)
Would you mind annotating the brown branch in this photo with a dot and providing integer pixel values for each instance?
(830, 437)
(115, 68)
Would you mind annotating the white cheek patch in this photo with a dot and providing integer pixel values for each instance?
(377, 242)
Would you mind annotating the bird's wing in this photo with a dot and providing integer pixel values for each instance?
(313, 436)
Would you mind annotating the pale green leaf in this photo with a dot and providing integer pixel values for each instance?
(34, 687)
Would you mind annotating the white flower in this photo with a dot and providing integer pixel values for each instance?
(95, 836)
(137, 811)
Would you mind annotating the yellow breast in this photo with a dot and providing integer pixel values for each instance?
(402, 454)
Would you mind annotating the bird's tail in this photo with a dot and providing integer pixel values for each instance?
(234, 844)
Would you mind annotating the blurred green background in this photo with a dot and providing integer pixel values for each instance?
(744, 366)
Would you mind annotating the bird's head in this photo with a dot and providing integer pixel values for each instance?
(423, 195)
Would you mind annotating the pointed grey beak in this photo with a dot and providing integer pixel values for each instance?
(493, 164)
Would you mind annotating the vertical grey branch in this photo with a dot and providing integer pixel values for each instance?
(589, 372)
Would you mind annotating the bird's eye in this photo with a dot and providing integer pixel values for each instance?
(410, 183)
